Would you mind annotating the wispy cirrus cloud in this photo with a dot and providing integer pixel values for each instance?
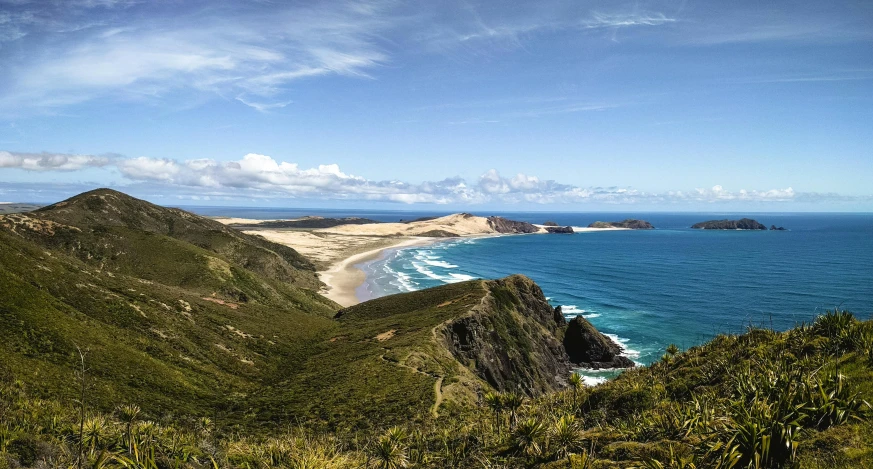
(262, 176)
(256, 55)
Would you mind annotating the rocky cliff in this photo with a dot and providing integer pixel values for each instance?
(503, 225)
(741, 224)
(516, 341)
(512, 339)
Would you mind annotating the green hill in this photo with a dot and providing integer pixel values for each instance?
(178, 312)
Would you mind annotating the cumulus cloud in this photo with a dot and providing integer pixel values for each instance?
(50, 161)
(256, 175)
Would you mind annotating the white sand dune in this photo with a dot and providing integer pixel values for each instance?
(461, 224)
(337, 250)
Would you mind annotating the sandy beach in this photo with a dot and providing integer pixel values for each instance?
(335, 251)
(343, 278)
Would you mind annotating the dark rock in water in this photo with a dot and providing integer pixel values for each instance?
(503, 225)
(550, 223)
(559, 316)
(630, 223)
(560, 229)
(741, 224)
(589, 348)
(775, 228)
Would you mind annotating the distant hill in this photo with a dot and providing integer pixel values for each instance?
(630, 224)
(305, 223)
(106, 217)
(741, 224)
(17, 208)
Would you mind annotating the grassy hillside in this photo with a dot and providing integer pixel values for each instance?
(105, 218)
(177, 311)
(170, 346)
(390, 360)
(762, 399)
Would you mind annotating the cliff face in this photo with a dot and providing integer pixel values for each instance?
(503, 225)
(512, 339)
(741, 224)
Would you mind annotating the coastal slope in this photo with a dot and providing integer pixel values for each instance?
(175, 312)
(410, 356)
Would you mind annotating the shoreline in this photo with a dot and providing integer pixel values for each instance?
(343, 278)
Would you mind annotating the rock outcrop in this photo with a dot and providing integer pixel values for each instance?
(775, 228)
(630, 223)
(514, 340)
(560, 229)
(511, 340)
(741, 224)
(550, 223)
(503, 225)
(587, 347)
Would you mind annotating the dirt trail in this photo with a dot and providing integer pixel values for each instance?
(438, 391)
(437, 386)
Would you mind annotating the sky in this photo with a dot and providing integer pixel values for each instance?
(532, 105)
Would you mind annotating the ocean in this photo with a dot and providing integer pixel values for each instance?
(650, 288)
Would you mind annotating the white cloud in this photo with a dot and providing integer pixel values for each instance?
(50, 161)
(256, 175)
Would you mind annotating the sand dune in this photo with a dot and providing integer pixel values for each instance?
(460, 224)
(335, 251)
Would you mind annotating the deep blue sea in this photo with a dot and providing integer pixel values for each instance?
(648, 289)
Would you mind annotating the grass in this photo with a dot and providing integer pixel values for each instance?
(776, 403)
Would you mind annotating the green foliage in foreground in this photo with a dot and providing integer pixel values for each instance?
(763, 399)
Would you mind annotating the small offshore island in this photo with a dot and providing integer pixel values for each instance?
(741, 224)
(628, 224)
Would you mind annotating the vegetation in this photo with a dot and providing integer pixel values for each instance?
(761, 399)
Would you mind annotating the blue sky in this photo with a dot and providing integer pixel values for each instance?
(552, 104)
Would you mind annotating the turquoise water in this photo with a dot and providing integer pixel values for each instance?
(670, 285)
